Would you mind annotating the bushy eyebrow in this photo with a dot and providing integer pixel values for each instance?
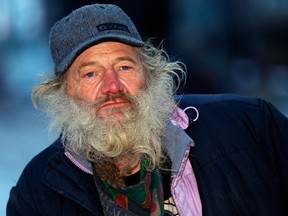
(125, 58)
(85, 64)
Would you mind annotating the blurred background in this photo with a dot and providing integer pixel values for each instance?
(228, 46)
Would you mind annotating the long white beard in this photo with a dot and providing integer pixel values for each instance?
(138, 134)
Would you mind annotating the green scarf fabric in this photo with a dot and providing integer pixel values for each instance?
(147, 193)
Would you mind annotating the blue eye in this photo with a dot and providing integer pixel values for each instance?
(90, 74)
(125, 67)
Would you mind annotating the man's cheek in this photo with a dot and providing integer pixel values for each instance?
(85, 92)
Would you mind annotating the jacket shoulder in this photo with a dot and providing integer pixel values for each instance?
(43, 157)
(240, 148)
(31, 178)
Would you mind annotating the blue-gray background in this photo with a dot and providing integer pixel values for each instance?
(228, 46)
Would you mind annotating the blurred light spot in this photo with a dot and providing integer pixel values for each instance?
(5, 21)
(245, 74)
(277, 80)
(28, 17)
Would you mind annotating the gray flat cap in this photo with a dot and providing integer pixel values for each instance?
(87, 26)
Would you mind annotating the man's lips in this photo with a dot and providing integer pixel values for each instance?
(111, 104)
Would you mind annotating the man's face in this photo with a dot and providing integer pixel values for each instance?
(104, 71)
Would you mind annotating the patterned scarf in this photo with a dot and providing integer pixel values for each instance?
(147, 194)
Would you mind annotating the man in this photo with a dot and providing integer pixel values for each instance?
(129, 147)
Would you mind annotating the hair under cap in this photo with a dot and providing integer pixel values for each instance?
(87, 26)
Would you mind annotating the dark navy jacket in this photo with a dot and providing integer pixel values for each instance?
(240, 160)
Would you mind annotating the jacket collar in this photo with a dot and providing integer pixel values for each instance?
(176, 144)
(62, 177)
